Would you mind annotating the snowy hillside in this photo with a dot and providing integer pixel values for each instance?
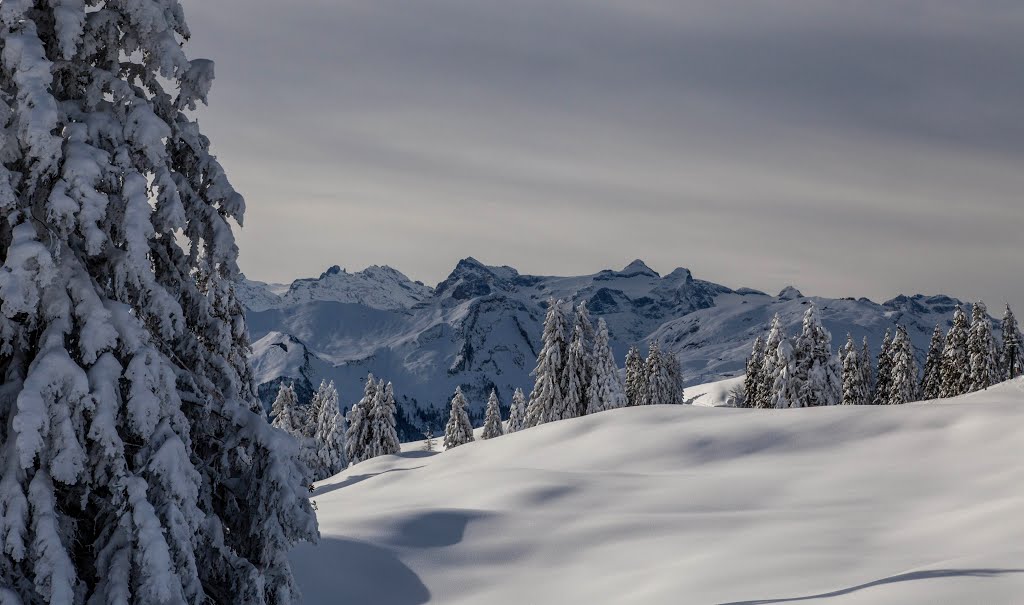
(916, 505)
(480, 328)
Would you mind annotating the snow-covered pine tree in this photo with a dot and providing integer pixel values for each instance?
(981, 350)
(931, 382)
(784, 392)
(636, 377)
(854, 391)
(383, 436)
(329, 435)
(428, 440)
(770, 370)
(817, 375)
(587, 337)
(752, 380)
(357, 436)
(660, 384)
(1012, 357)
(867, 369)
(573, 375)
(883, 377)
(138, 466)
(547, 395)
(675, 377)
(517, 412)
(458, 431)
(606, 391)
(492, 418)
(956, 365)
(285, 410)
(903, 381)
(311, 415)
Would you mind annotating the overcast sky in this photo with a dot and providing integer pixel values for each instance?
(852, 148)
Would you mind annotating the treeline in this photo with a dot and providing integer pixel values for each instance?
(784, 372)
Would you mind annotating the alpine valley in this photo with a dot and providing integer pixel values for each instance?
(480, 328)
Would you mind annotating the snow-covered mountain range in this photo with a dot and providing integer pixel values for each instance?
(480, 328)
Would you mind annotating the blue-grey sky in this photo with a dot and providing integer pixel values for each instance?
(849, 147)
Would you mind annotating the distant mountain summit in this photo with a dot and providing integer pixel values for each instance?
(480, 327)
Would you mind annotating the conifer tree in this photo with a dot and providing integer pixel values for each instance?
(311, 416)
(636, 378)
(931, 383)
(784, 392)
(137, 464)
(606, 391)
(587, 338)
(547, 397)
(428, 440)
(329, 435)
(752, 380)
(854, 390)
(661, 388)
(517, 412)
(1012, 357)
(573, 376)
(883, 380)
(458, 431)
(816, 377)
(956, 365)
(903, 381)
(981, 350)
(383, 440)
(867, 369)
(285, 409)
(492, 418)
(357, 436)
(770, 369)
(675, 376)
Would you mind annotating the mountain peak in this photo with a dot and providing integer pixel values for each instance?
(790, 293)
(638, 267)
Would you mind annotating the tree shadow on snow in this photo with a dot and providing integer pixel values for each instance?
(352, 480)
(903, 577)
(348, 571)
(435, 529)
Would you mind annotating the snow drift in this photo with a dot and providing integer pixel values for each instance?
(914, 504)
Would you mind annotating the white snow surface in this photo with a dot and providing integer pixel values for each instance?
(918, 504)
(713, 394)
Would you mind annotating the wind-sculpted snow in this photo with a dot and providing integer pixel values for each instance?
(917, 504)
(480, 328)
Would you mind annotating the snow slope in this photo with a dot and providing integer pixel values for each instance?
(912, 505)
(480, 328)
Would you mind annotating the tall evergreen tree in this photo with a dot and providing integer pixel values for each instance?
(883, 380)
(458, 431)
(854, 389)
(383, 440)
(675, 377)
(981, 350)
(311, 416)
(931, 383)
(357, 436)
(1012, 356)
(517, 412)
(661, 388)
(547, 395)
(752, 380)
(816, 375)
(903, 378)
(867, 369)
(606, 391)
(137, 463)
(956, 364)
(285, 409)
(636, 378)
(587, 338)
(329, 434)
(785, 391)
(770, 369)
(573, 376)
(492, 418)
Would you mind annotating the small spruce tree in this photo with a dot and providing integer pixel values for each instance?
(383, 436)
(883, 380)
(492, 418)
(752, 380)
(956, 365)
(981, 350)
(606, 391)
(357, 436)
(547, 395)
(867, 369)
(329, 436)
(574, 375)
(903, 381)
(517, 412)
(636, 378)
(285, 410)
(1011, 356)
(770, 370)
(854, 391)
(931, 382)
(459, 430)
